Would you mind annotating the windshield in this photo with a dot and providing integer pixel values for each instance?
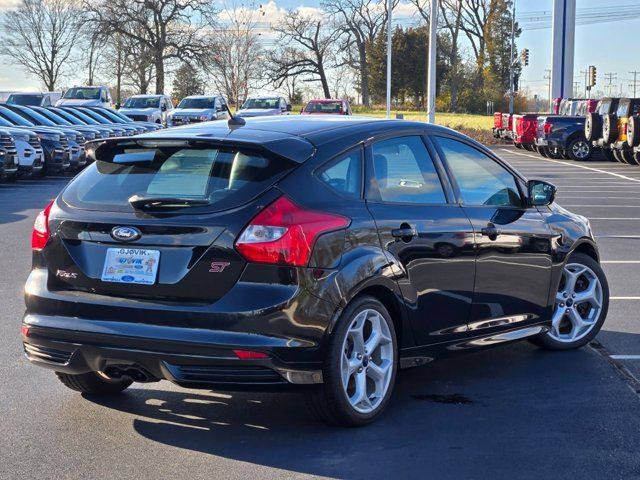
(82, 93)
(52, 116)
(37, 118)
(15, 118)
(220, 177)
(324, 107)
(142, 102)
(81, 115)
(113, 115)
(197, 103)
(261, 103)
(25, 99)
(71, 118)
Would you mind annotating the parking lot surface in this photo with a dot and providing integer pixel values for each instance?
(510, 412)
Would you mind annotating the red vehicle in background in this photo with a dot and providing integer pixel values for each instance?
(325, 106)
(525, 126)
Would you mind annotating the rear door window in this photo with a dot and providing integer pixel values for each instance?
(405, 173)
(344, 175)
(214, 178)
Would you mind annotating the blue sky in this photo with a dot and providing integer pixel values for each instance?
(605, 45)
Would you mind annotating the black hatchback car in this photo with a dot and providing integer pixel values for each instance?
(323, 253)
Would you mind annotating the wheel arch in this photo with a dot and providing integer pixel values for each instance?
(587, 247)
(387, 292)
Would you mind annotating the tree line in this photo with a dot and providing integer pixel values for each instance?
(136, 45)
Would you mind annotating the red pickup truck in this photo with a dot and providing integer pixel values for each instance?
(525, 126)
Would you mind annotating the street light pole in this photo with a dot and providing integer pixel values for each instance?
(512, 60)
(389, 45)
(431, 74)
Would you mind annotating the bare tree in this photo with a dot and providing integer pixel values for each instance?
(168, 29)
(94, 50)
(361, 20)
(234, 62)
(305, 48)
(41, 37)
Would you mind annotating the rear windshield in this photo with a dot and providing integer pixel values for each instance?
(324, 107)
(220, 177)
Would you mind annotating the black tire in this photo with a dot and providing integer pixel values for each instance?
(93, 383)
(543, 151)
(628, 157)
(580, 150)
(636, 156)
(518, 146)
(328, 402)
(610, 128)
(545, 340)
(592, 126)
(565, 154)
(553, 153)
(608, 155)
(617, 156)
(528, 147)
(633, 131)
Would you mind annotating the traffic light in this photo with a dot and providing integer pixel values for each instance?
(592, 75)
(525, 57)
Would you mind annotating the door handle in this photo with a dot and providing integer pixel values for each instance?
(405, 232)
(490, 231)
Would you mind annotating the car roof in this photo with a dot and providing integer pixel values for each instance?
(148, 96)
(202, 96)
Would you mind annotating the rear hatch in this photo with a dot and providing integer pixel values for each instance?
(159, 222)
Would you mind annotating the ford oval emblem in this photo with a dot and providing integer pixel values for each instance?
(125, 234)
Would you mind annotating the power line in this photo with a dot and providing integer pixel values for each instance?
(634, 83)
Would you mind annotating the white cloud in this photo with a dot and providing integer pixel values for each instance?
(5, 4)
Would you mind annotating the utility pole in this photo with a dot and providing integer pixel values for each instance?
(610, 78)
(431, 74)
(389, 45)
(576, 89)
(634, 85)
(547, 76)
(513, 47)
(586, 81)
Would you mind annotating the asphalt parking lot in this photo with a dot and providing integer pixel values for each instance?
(510, 412)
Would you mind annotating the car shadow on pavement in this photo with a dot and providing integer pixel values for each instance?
(499, 410)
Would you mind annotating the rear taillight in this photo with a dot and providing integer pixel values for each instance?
(284, 233)
(40, 234)
(547, 128)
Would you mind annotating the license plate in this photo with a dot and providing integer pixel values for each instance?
(131, 265)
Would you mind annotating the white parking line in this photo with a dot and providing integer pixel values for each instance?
(624, 298)
(620, 261)
(617, 236)
(614, 218)
(625, 357)
(575, 166)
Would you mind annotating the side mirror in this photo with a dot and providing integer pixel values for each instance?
(289, 107)
(163, 108)
(540, 193)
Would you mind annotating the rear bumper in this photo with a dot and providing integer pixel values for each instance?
(188, 357)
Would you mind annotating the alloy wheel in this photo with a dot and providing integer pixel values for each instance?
(580, 150)
(366, 365)
(578, 304)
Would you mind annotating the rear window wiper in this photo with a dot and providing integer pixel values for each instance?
(140, 202)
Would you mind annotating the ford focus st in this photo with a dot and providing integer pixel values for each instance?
(324, 253)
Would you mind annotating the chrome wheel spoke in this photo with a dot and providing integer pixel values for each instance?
(367, 360)
(576, 312)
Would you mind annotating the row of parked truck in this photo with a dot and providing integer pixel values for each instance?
(47, 133)
(38, 141)
(576, 129)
